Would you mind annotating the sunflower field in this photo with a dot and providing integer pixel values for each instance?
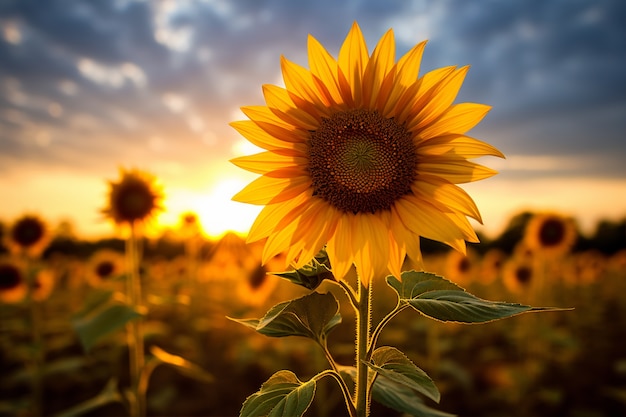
(65, 322)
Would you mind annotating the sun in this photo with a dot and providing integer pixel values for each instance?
(216, 212)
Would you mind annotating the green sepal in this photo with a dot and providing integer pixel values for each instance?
(283, 395)
(313, 315)
(442, 300)
(390, 363)
(312, 274)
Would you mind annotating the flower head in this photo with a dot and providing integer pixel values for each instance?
(550, 234)
(362, 156)
(28, 235)
(13, 285)
(134, 198)
(104, 265)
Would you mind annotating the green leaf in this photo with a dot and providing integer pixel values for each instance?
(181, 364)
(104, 318)
(311, 275)
(281, 395)
(312, 316)
(401, 398)
(440, 299)
(396, 396)
(390, 363)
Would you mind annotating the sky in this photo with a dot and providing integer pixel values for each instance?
(87, 87)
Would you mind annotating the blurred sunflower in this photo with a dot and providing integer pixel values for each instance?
(135, 198)
(491, 266)
(260, 283)
(460, 268)
(364, 156)
(103, 266)
(518, 275)
(28, 235)
(550, 234)
(13, 287)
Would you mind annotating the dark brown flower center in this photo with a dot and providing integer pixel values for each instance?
(523, 274)
(361, 162)
(552, 232)
(28, 231)
(257, 277)
(134, 201)
(10, 277)
(104, 269)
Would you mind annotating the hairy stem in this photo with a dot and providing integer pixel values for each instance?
(362, 401)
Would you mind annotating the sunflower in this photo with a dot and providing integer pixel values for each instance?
(362, 156)
(460, 268)
(103, 266)
(134, 198)
(518, 275)
(13, 286)
(491, 266)
(550, 234)
(28, 235)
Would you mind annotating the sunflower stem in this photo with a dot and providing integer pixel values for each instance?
(134, 328)
(38, 353)
(362, 401)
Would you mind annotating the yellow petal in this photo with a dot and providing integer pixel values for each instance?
(279, 242)
(298, 80)
(339, 247)
(457, 145)
(274, 126)
(416, 97)
(409, 65)
(267, 190)
(353, 58)
(281, 104)
(455, 170)
(325, 68)
(440, 99)
(320, 220)
(378, 66)
(370, 247)
(265, 162)
(445, 195)
(407, 240)
(262, 139)
(406, 73)
(271, 215)
(457, 119)
(426, 220)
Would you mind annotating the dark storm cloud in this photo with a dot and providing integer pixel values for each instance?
(553, 70)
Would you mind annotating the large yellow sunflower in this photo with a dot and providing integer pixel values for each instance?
(362, 155)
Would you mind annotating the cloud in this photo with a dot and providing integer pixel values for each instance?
(87, 83)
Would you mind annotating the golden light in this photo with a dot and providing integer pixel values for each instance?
(217, 213)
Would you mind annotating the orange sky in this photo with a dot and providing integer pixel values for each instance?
(153, 85)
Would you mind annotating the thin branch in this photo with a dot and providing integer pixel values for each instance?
(344, 388)
(380, 326)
